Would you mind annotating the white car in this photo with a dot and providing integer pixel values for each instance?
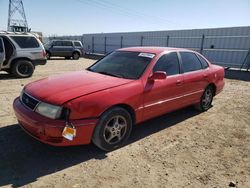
(20, 53)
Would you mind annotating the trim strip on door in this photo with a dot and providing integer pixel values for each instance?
(170, 99)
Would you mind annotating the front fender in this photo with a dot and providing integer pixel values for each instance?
(93, 105)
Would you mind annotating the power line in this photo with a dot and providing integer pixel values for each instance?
(111, 9)
(126, 12)
(140, 13)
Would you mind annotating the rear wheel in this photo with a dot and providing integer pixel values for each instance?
(113, 129)
(22, 69)
(206, 99)
(76, 55)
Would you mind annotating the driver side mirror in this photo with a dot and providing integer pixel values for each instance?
(158, 75)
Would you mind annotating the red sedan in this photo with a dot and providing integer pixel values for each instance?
(103, 102)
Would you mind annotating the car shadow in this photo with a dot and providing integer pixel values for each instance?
(93, 56)
(56, 58)
(237, 75)
(6, 76)
(62, 58)
(23, 159)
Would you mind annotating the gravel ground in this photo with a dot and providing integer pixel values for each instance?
(181, 149)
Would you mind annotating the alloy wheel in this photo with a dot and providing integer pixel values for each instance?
(115, 129)
(207, 98)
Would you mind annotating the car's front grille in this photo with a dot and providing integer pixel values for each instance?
(29, 101)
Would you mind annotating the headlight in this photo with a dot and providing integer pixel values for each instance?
(48, 110)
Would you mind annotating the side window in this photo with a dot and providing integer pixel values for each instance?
(67, 43)
(1, 45)
(168, 63)
(57, 43)
(190, 62)
(26, 41)
(78, 44)
(203, 62)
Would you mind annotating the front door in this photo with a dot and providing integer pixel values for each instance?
(2, 52)
(56, 48)
(162, 96)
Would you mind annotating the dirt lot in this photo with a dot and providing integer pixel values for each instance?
(181, 149)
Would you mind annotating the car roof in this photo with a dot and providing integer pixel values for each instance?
(153, 49)
(66, 40)
(7, 33)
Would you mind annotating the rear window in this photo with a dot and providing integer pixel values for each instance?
(203, 62)
(190, 62)
(77, 44)
(26, 42)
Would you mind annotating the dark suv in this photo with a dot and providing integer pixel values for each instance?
(64, 48)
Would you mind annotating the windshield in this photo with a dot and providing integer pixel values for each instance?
(129, 65)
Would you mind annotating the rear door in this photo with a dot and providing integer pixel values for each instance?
(2, 52)
(195, 77)
(161, 96)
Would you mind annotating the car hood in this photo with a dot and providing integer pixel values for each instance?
(62, 88)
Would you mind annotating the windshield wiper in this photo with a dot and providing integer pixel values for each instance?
(111, 74)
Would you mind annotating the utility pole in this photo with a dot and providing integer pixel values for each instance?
(17, 21)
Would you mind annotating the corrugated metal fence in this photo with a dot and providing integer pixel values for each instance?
(229, 47)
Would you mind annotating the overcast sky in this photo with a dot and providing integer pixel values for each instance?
(71, 17)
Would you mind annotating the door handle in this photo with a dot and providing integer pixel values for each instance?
(178, 82)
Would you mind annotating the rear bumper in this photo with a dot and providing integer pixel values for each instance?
(39, 61)
(49, 131)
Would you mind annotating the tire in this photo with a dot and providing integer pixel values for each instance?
(206, 99)
(48, 55)
(22, 69)
(75, 55)
(113, 129)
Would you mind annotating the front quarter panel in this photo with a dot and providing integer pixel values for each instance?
(93, 105)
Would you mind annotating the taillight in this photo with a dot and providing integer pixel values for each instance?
(44, 53)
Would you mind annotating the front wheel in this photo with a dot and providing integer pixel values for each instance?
(206, 100)
(22, 69)
(48, 55)
(113, 129)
